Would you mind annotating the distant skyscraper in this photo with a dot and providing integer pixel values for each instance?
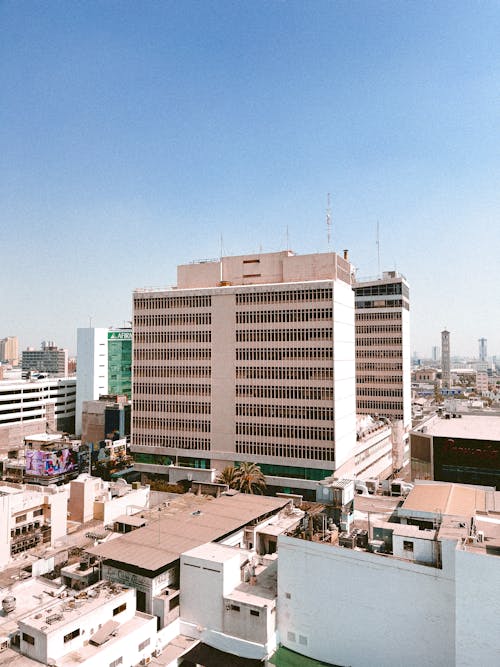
(436, 352)
(483, 349)
(445, 358)
(9, 350)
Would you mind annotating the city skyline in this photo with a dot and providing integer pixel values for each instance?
(136, 138)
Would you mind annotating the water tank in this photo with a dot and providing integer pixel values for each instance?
(9, 604)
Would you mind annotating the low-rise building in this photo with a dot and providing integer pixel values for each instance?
(48, 359)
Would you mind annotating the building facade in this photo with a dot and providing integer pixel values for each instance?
(103, 365)
(383, 357)
(249, 358)
(35, 406)
(48, 359)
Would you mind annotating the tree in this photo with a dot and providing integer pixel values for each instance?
(228, 476)
(250, 479)
(247, 478)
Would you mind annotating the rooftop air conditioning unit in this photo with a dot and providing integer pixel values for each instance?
(146, 661)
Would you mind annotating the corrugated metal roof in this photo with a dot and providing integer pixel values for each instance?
(163, 540)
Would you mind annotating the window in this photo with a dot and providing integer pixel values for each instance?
(116, 662)
(71, 635)
(408, 546)
(118, 610)
(28, 639)
(254, 612)
(143, 644)
(235, 607)
(21, 518)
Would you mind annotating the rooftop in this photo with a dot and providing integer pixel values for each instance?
(185, 524)
(448, 499)
(480, 427)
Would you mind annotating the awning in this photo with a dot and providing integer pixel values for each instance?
(205, 655)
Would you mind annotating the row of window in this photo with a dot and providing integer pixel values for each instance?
(282, 296)
(379, 366)
(285, 335)
(169, 320)
(172, 371)
(378, 391)
(377, 342)
(173, 441)
(173, 337)
(381, 406)
(296, 393)
(276, 316)
(379, 379)
(383, 290)
(171, 424)
(168, 353)
(164, 302)
(281, 354)
(284, 411)
(387, 354)
(182, 407)
(287, 450)
(377, 328)
(286, 431)
(283, 373)
(384, 303)
(162, 389)
(372, 317)
(374, 449)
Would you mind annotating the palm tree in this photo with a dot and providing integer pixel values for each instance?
(228, 476)
(249, 478)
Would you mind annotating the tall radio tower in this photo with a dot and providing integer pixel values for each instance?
(328, 219)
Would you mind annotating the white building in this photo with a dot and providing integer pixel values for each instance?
(430, 599)
(103, 365)
(98, 626)
(249, 358)
(33, 406)
(29, 516)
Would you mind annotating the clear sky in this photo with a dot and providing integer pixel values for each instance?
(133, 135)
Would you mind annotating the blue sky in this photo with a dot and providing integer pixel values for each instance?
(133, 135)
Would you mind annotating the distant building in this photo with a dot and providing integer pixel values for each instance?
(9, 350)
(482, 382)
(107, 417)
(483, 349)
(104, 362)
(445, 359)
(436, 353)
(48, 359)
(456, 447)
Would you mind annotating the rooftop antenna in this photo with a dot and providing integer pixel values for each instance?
(287, 239)
(378, 248)
(328, 219)
(220, 257)
(90, 321)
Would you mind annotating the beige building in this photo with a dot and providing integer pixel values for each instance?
(9, 350)
(383, 364)
(249, 358)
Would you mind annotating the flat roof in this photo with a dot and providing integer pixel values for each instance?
(446, 498)
(479, 427)
(177, 530)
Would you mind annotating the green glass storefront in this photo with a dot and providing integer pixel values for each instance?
(120, 362)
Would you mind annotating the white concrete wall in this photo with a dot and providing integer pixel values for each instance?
(58, 515)
(424, 551)
(108, 510)
(355, 608)
(344, 373)
(92, 368)
(5, 520)
(477, 609)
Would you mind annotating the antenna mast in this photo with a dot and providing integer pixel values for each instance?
(328, 219)
(378, 249)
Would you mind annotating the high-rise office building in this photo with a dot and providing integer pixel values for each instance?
(383, 364)
(249, 358)
(48, 359)
(436, 352)
(103, 365)
(445, 358)
(9, 350)
(483, 349)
